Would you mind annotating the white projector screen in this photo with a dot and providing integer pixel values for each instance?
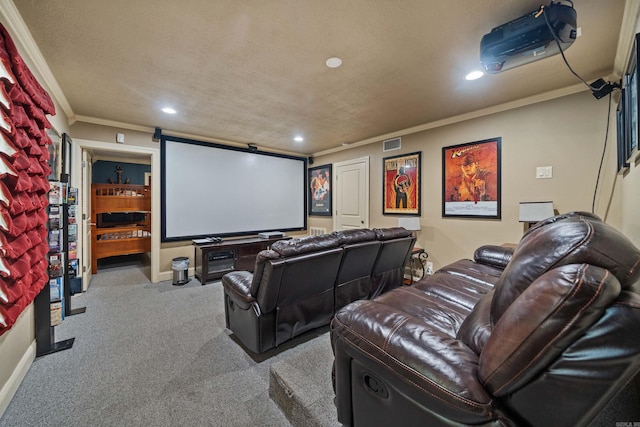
(214, 190)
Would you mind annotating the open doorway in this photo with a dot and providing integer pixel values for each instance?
(86, 154)
(120, 211)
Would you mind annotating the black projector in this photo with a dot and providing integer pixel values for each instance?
(528, 38)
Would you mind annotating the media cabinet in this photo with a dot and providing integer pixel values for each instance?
(214, 260)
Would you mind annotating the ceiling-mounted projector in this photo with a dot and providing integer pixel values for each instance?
(528, 38)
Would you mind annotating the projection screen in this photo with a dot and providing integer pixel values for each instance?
(215, 190)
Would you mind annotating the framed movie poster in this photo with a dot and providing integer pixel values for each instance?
(632, 100)
(401, 184)
(471, 180)
(65, 170)
(320, 190)
(55, 155)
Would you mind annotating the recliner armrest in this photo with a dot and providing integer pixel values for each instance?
(237, 286)
(494, 255)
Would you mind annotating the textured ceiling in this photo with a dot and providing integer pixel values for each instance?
(254, 71)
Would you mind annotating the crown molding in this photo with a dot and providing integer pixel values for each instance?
(626, 37)
(13, 22)
(150, 130)
(547, 96)
(113, 123)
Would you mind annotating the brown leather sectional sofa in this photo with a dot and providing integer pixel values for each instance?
(298, 284)
(544, 335)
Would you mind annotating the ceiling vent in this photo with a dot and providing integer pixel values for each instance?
(392, 144)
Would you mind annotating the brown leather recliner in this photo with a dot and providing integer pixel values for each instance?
(291, 291)
(298, 284)
(547, 341)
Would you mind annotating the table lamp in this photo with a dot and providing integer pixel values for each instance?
(411, 223)
(532, 212)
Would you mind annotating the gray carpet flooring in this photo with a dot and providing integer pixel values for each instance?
(159, 355)
(155, 355)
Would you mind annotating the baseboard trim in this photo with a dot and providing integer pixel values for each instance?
(11, 386)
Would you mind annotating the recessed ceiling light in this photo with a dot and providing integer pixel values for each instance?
(169, 110)
(474, 75)
(298, 139)
(334, 62)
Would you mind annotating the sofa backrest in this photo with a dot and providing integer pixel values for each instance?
(388, 271)
(361, 250)
(298, 282)
(569, 239)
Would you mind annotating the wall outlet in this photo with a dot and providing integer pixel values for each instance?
(429, 268)
(120, 138)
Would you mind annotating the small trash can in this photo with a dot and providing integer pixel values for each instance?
(180, 267)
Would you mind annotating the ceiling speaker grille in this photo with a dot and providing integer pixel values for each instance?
(392, 144)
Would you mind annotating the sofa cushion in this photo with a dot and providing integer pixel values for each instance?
(575, 239)
(453, 284)
(476, 328)
(355, 235)
(542, 322)
(391, 233)
(303, 245)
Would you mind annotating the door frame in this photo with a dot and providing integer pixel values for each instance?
(76, 181)
(334, 183)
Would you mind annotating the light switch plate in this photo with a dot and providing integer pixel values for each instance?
(544, 172)
(120, 138)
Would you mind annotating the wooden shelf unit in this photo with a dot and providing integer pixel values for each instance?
(130, 237)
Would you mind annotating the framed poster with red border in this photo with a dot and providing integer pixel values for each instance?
(471, 180)
(401, 184)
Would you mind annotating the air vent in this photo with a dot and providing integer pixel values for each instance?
(317, 231)
(392, 144)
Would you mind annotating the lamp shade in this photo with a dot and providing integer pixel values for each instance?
(411, 223)
(535, 211)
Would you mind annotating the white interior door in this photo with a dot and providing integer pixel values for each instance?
(86, 219)
(351, 195)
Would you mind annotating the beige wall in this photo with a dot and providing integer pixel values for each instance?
(566, 133)
(93, 132)
(17, 351)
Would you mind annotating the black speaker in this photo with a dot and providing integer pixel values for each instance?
(157, 134)
(310, 160)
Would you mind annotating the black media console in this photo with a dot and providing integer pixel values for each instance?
(214, 260)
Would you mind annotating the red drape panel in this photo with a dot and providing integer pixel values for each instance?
(24, 105)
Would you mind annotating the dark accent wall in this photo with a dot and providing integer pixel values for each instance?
(103, 170)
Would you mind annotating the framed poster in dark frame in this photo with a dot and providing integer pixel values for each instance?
(401, 184)
(471, 179)
(55, 155)
(632, 103)
(65, 170)
(622, 132)
(320, 194)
